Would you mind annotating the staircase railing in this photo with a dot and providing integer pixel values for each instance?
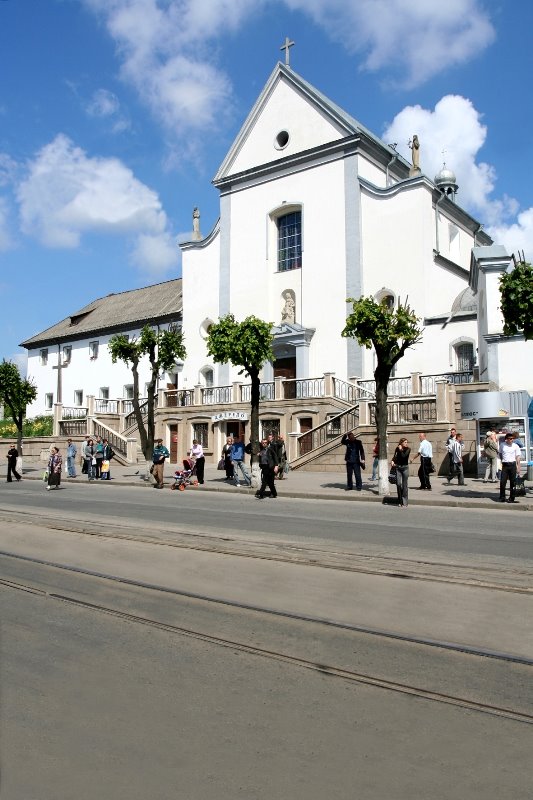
(118, 442)
(328, 431)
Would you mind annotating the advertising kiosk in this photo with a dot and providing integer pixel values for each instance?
(502, 412)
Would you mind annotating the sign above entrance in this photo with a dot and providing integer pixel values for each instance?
(240, 415)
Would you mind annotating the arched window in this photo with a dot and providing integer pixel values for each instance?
(465, 356)
(290, 241)
(207, 376)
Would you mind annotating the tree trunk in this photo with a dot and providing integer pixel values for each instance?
(382, 380)
(254, 425)
(138, 416)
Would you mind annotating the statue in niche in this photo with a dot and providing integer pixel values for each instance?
(288, 312)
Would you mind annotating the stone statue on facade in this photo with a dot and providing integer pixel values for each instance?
(196, 224)
(288, 312)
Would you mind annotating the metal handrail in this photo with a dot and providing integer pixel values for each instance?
(328, 431)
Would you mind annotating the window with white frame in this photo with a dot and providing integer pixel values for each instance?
(289, 241)
(43, 357)
(128, 391)
(49, 400)
(464, 356)
(104, 392)
(78, 397)
(67, 354)
(201, 432)
(93, 350)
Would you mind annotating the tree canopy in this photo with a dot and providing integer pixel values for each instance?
(163, 349)
(246, 344)
(16, 393)
(390, 331)
(516, 290)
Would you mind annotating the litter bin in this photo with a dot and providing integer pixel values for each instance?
(529, 475)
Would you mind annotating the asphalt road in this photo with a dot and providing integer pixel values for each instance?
(114, 690)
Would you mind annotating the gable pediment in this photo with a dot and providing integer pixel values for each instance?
(289, 117)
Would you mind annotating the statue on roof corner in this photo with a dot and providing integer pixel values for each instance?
(414, 144)
(196, 224)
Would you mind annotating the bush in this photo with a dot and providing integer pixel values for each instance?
(39, 426)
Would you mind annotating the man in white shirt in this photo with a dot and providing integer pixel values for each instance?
(510, 458)
(425, 452)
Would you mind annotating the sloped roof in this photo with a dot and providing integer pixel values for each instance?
(115, 312)
(348, 124)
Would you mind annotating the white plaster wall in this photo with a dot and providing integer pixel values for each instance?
(371, 172)
(285, 109)
(200, 285)
(514, 364)
(82, 373)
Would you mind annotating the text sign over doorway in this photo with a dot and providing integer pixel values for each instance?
(240, 415)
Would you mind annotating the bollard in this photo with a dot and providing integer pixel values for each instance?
(529, 475)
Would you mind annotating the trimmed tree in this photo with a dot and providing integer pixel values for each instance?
(516, 290)
(16, 393)
(162, 349)
(390, 331)
(246, 344)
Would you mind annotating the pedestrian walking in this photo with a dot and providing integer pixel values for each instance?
(159, 455)
(449, 446)
(355, 460)
(83, 459)
(72, 451)
(455, 449)
(491, 449)
(510, 456)
(425, 453)
(99, 456)
(106, 463)
(55, 463)
(281, 452)
(375, 460)
(400, 460)
(12, 455)
(89, 451)
(197, 452)
(268, 462)
(226, 456)
(237, 457)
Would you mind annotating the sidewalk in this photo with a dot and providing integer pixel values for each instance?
(316, 485)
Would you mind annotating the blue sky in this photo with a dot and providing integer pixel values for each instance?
(115, 115)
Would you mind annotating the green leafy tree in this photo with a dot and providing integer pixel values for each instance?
(516, 290)
(16, 393)
(163, 349)
(390, 331)
(246, 344)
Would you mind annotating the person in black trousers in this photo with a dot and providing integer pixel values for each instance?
(400, 460)
(268, 461)
(12, 455)
(355, 460)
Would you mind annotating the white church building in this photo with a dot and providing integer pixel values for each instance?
(315, 209)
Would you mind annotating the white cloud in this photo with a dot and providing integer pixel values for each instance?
(103, 104)
(155, 254)
(416, 38)
(8, 169)
(21, 360)
(455, 126)
(66, 193)
(6, 240)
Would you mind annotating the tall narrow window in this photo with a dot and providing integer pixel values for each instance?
(78, 397)
(200, 432)
(464, 353)
(44, 357)
(49, 401)
(67, 353)
(93, 350)
(290, 241)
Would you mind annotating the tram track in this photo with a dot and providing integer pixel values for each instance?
(327, 669)
(501, 579)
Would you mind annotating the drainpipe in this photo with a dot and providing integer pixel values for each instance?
(442, 196)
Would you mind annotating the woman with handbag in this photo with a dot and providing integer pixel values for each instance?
(400, 461)
(54, 469)
(226, 458)
(89, 454)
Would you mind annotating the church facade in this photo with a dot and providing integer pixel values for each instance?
(316, 209)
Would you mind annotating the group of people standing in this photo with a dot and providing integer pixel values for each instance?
(272, 461)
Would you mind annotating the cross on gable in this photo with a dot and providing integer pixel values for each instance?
(288, 44)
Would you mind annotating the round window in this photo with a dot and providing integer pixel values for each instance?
(282, 140)
(205, 327)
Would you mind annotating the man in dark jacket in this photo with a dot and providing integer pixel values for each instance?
(268, 461)
(12, 455)
(355, 460)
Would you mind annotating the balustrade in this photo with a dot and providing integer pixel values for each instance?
(102, 406)
(216, 395)
(327, 431)
(74, 413)
(303, 389)
(266, 392)
(404, 411)
(179, 397)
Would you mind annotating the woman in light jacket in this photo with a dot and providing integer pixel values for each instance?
(491, 451)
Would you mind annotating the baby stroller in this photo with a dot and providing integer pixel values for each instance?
(186, 476)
